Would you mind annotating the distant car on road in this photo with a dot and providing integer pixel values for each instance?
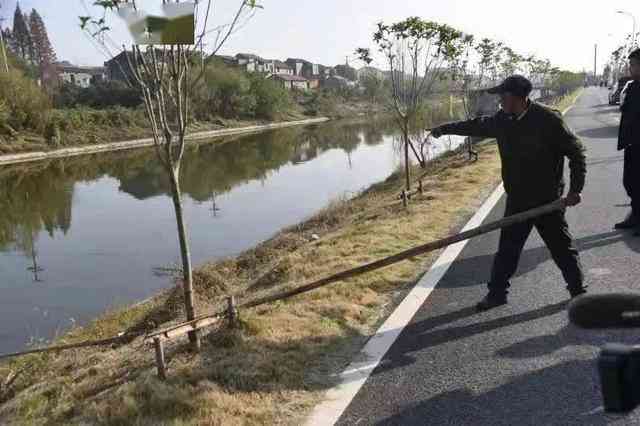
(616, 90)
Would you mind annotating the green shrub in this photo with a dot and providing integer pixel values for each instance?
(271, 100)
(221, 92)
(230, 93)
(100, 95)
(27, 104)
(52, 133)
(89, 122)
(323, 102)
(563, 82)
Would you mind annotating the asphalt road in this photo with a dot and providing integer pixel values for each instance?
(523, 363)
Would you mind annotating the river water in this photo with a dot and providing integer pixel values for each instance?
(83, 235)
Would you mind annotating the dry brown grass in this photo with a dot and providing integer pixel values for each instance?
(276, 365)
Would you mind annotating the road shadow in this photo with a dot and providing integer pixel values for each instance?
(569, 335)
(611, 110)
(422, 336)
(605, 160)
(607, 132)
(538, 398)
(476, 270)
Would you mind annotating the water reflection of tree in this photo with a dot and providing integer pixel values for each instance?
(31, 202)
(39, 196)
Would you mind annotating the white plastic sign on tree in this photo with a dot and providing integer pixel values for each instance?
(176, 26)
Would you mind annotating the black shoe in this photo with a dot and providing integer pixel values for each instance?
(630, 222)
(490, 302)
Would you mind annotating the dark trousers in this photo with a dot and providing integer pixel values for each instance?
(631, 176)
(554, 230)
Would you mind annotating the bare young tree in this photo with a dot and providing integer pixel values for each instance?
(3, 48)
(3, 52)
(167, 76)
(537, 70)
(471, 73)
(510, 63)
(418, 54)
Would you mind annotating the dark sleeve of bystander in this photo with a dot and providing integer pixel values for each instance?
(486, 126)
(629, 129)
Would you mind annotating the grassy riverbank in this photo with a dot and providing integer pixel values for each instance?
(277, 365)
(85, 127)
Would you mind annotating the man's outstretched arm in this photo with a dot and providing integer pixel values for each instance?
(486, 126)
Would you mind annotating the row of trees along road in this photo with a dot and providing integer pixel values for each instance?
(421, 54)
(167, 76)
(618, 64)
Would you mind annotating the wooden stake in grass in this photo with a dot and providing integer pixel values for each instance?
(160, 362)
(232, 311)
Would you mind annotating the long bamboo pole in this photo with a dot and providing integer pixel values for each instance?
(407, 254)
(86, 344)
(413, 252)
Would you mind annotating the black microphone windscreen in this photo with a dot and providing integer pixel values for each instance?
(616, 310)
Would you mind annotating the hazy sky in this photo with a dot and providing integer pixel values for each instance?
(327, 31)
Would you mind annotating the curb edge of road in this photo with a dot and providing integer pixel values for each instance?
(353, 378)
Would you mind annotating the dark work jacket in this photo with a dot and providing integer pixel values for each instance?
(532, 151)
(629, 131)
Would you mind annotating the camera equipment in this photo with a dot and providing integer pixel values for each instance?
(618, 364)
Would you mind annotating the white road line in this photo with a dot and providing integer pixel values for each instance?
(356, 374)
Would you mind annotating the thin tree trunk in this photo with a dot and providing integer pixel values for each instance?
(4, 52)
(406, 160)
(187, 277)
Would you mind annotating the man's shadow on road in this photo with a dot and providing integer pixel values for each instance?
(424, 334)
(608, 132)
(476, 270)
(565, 393)
(569, 335)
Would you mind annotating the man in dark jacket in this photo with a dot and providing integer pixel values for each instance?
(629, 140)
(533, 140)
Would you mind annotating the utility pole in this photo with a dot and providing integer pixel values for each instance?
(595, 64)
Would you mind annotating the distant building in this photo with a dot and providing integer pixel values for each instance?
(337, 82)
(370, 71)
(345, 71)
(80, 76)
(290, 82)
(303, 67)
(314, 73)
(280, 68)
(117, 68)
(227, 60)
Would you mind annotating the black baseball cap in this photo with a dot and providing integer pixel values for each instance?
(516, 85)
